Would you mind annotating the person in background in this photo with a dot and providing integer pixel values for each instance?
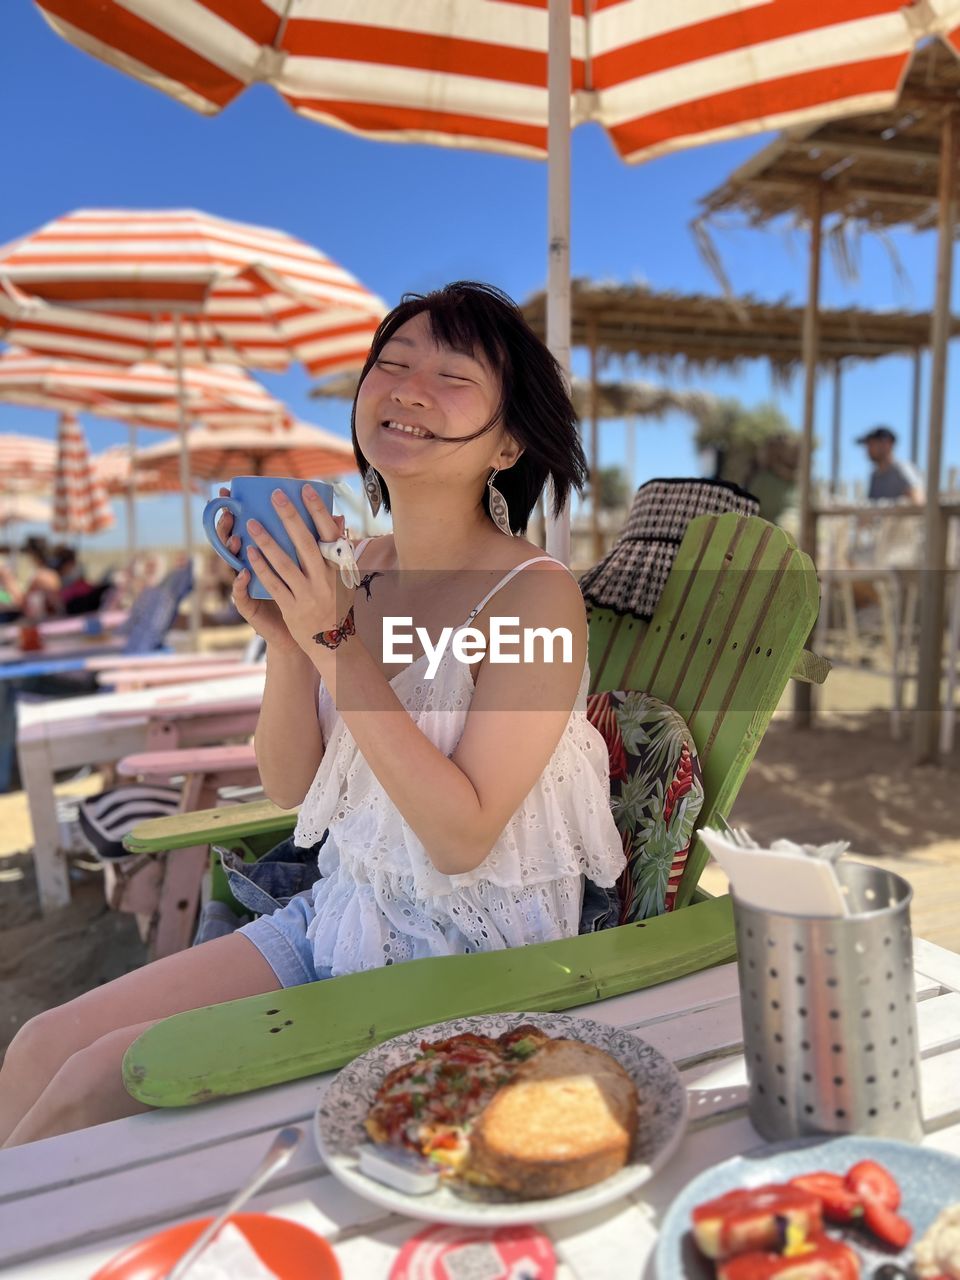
(9, 593)
(892, 478)
(73, 580)
(40, 598)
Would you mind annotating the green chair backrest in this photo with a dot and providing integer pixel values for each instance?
(737, 608)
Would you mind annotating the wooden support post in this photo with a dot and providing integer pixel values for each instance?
(596, 534)
(915, 407)
(835, 428)
(802, 699)
(930, 645)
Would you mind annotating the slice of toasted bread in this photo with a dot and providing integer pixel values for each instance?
(566, 1120)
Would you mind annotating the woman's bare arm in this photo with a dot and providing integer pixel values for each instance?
(288, 741)
(458, 806)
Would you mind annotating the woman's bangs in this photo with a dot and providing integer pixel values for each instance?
(457, 326)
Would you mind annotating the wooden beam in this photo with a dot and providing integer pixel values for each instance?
(596, 538)
(915, 406)
(835, 427)
(794, 186)
(930, 644)
(867, 145)
(803, 702)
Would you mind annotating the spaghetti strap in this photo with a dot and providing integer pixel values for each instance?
(503, 582)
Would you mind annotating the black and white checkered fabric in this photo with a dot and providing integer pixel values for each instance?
(631, 576)
(106, 819)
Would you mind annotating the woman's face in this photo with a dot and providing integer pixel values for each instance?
(416, 395)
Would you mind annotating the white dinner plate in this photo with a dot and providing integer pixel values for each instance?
(661, 1120)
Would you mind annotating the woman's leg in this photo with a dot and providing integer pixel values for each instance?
(88, 1089)
(223, 969)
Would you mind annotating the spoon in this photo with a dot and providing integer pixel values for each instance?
(281, 1149)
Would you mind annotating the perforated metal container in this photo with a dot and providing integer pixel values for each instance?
(829, 1014)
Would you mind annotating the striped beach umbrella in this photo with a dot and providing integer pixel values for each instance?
(141, 395)
(517, 77)
(303, 451)
(27, 460)
(117, 471)
(23, 508)
(181, 287)
(474, 72)
(80, 503)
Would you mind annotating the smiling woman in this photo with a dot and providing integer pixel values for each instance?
(458, 805)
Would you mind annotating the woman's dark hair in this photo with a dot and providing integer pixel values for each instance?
(38, 549)
(535, 408)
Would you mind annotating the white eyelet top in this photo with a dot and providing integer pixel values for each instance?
(380, 899)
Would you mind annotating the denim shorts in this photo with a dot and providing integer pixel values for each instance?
(279, 890)
(282, 940)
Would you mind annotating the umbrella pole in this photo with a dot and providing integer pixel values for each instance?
(131, 500)
(802, 699)
(195, 600)
(558, 216)
(930, 644)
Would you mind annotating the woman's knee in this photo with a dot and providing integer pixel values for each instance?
(43, 1044)
(87, 1089)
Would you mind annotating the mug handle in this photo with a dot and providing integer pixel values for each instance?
(210, 513)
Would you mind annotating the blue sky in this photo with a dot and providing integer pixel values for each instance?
(79, 134)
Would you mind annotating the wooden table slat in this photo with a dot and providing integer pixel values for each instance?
(68, 1204)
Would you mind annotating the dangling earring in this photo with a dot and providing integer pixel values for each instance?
(499, 512)
(371, 487)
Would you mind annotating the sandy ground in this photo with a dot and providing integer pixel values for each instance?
(844, 779)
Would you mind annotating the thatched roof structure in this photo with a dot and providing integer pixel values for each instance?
(615, 399)
(879, 170)
(703, 332)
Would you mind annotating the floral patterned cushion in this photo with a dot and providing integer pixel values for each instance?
(656, 793)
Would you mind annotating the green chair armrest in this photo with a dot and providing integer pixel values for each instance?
(810, 667)
(227, 825)
(264, 1040)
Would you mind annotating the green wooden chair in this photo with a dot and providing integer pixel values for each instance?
(727, 635)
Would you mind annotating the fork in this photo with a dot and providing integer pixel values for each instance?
(740, 836)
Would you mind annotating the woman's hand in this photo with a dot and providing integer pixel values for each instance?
(262, 615)
(309, 596)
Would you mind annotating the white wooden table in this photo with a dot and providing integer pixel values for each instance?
(68, 1204)
(68, 732)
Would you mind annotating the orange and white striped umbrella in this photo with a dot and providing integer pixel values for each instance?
(304, 451)
(143, 395)
(117, 471)
(474, 72)
(80, 504)
(27, 459)
(23, 508)
(128, 285)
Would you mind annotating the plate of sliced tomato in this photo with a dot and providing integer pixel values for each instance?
(825, 1209)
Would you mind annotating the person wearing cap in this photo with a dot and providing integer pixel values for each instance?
(891, 478)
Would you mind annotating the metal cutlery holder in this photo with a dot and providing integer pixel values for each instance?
(829, 1013)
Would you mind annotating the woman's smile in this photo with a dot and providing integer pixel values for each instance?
(407, 429)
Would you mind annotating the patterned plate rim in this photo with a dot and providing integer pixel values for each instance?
(750, 1168)
(656, 1078)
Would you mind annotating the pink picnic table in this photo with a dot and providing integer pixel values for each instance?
(103, 728)
(142, 677)
(108, 620)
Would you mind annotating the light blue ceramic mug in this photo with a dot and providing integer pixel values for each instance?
(250, 499)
